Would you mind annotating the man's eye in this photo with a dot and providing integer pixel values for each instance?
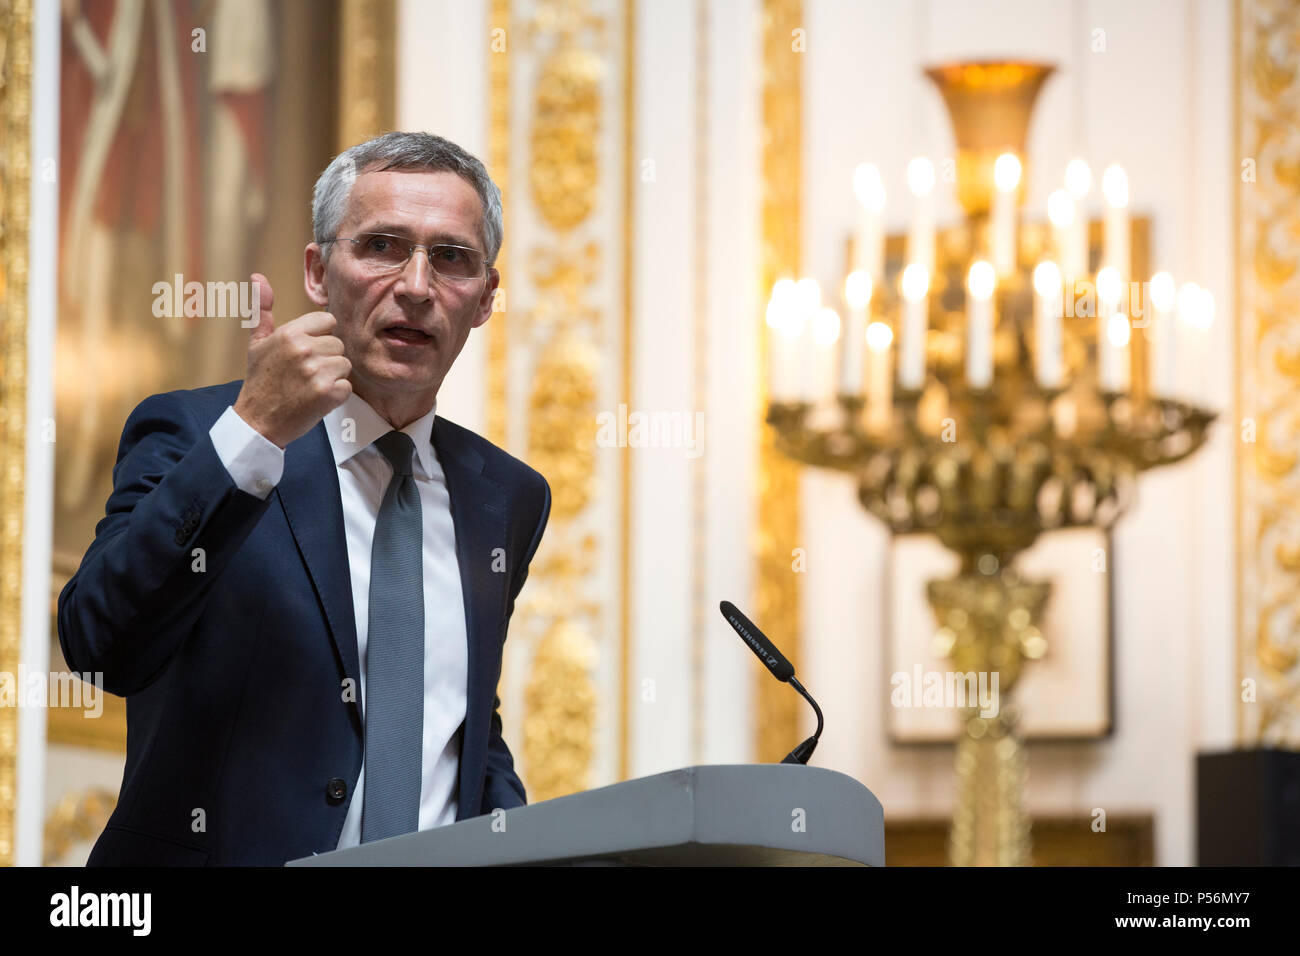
(450, 254)
(378, 244)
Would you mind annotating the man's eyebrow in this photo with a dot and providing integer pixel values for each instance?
(439, 236)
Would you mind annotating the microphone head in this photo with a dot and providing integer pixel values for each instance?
(766, 651)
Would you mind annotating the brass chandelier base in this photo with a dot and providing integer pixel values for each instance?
(989, 824)
(989, 624)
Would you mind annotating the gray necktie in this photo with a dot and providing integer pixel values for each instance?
(395, 655)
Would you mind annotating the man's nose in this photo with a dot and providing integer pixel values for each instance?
(416, 282)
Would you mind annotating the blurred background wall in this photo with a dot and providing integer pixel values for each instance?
(1157, 100)
(661, 163)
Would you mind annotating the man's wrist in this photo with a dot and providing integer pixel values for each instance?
(254, 462)
(252, 422)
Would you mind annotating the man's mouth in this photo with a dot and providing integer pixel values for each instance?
(406, 334)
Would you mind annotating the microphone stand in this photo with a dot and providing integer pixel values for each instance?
(804, 751)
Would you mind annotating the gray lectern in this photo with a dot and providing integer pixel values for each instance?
(745, 815)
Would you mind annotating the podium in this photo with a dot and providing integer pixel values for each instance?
(727, 815)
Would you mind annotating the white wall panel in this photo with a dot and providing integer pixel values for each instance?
(38, 497)
(730, 459)
(663, 354)
(442, 51)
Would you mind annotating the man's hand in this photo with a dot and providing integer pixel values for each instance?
(297, 374)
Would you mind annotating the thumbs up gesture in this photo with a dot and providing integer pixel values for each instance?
(297, 373)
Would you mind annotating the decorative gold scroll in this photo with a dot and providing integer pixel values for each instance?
(15, 184)
(79, 816)
(777, 601)
(625, 472)
(563, 326)
(1267, 286)
(500, 38)
(367, 70)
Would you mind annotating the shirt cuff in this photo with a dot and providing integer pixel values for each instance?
(255, 463)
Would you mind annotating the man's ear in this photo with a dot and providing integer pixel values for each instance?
(486, 301)
(313, 274)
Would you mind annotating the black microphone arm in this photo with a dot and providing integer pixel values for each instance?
(781, 669)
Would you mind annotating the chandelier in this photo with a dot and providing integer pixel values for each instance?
(990, 381)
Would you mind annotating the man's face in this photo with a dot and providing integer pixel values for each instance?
(391, 366)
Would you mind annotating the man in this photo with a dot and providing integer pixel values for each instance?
(303, 579)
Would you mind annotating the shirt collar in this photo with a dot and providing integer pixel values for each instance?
(367, 425)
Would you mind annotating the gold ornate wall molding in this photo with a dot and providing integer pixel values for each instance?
(500, 31)
(78, 817)
(367, 70)
(625, 469)
(555, 143)
(15, 198)
(777, 603)
(1266, 72)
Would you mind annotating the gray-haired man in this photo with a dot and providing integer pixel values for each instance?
(303, 580)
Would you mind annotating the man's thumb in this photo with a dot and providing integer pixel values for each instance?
(263, 299)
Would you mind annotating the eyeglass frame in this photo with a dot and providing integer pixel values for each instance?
(428, 253)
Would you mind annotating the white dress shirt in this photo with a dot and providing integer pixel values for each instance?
(256, 466)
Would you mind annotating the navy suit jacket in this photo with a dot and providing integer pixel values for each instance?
(243, 745)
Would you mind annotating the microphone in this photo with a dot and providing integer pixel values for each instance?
(781, 669)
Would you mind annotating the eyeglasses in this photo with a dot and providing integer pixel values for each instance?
(381, 254)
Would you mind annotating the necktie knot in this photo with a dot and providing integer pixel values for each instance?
(398, 448)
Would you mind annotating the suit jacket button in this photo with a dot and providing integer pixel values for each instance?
(336, 790)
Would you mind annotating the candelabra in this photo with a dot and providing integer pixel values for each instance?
(1020, 399)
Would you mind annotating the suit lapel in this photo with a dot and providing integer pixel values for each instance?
(309, 494)
(478, 513)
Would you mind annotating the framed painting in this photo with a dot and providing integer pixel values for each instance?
(1067, 694)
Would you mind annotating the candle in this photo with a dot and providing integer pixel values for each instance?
(1112, 354)
(1164, 354)
(916, 292)
(1049, 366)
(783, 320)
(1060, 212)
(869, 246)
(1006, 181)
(980, 283)
(857, 295)
(880, 385)
(1078, 180)
(1195, 316)
(825, 329)
(920, 238)
(1109, 290)
(1115, 251)
(809, 297)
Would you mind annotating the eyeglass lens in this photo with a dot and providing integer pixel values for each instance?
(385, 253)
